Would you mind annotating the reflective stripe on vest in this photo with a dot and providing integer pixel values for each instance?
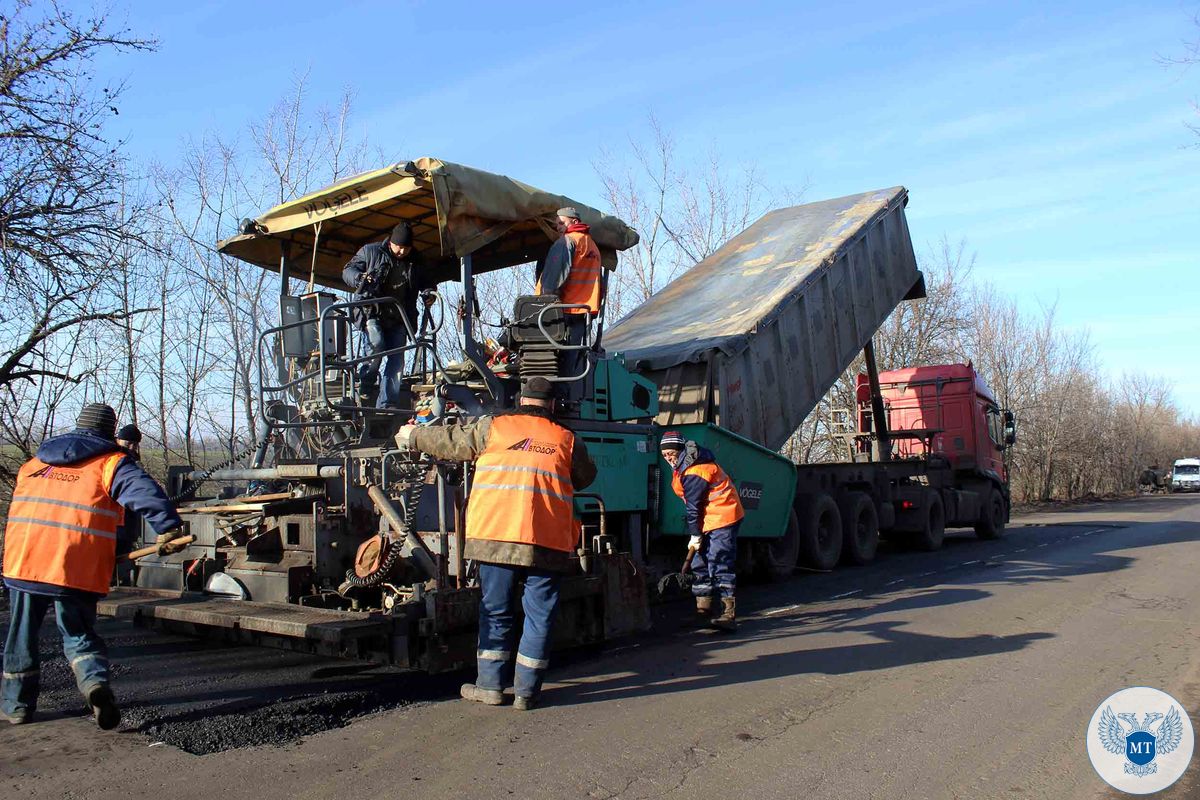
(62, 524)
(723, 506)
(522, 490)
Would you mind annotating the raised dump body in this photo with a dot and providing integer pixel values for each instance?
(754, 335)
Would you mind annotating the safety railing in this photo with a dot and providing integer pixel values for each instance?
(339, 313)
(587, 344)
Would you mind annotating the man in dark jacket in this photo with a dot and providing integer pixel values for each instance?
(130, 438)
(387, 271)
(520, 526)
(59, 549)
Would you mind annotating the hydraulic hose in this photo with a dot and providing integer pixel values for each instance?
(404, 525)
(194, 483)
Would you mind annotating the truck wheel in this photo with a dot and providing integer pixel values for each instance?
(991, 517)
(860, 528)
(779, 555)
(820, 532)
(933, 532)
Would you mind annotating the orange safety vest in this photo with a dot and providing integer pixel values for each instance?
(724, 507)
(62, 524)
(583, 281)
(522, 492)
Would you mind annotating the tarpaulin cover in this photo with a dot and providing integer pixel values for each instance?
(454, 211)
(754, 336)
(722, 301)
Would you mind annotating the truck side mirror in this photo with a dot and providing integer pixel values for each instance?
(1010, 428)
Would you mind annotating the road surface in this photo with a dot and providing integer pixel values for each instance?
(969, 673)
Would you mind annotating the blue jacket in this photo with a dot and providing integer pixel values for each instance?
(695, 488)
(135, 490)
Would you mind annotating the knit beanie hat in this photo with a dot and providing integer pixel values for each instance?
(672, 440)
(98, 418)
(130, 433)
(401, 234)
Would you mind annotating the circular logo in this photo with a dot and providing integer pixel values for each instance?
(1140, 740)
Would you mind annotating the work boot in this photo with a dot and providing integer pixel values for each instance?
(704, 608)
(19, 717)
(104, 707)
(728, 619)
(523, 703)
(489, 697)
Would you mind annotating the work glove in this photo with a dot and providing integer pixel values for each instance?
(167, 544)
(695, 542)
(404, 436)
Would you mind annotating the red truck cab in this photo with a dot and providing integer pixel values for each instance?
(945, 410)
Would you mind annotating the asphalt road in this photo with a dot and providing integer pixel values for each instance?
(967, 673)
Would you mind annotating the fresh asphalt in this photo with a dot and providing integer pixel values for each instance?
(971, 672)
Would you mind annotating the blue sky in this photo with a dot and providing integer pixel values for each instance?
(1048, 135)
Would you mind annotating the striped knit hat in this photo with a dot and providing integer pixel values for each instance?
(672, 440)
(98, 418)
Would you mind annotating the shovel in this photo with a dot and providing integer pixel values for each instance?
(152, 549)
(682, 579)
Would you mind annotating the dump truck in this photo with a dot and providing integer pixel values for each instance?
(331, 540)
(748, 341)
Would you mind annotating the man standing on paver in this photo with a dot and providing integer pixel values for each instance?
(714, 514)
(387, 271)
(60, 547)
(520, 527)
(572, 270)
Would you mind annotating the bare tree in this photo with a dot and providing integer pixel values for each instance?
(61, 207)
(1189, 58)
(683, 212)
(292, 150)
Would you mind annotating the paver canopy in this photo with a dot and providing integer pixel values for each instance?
(454, 211)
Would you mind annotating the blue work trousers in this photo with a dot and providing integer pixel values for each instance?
(497, 609)
(715, 563)
(379, 336)
(85, 650)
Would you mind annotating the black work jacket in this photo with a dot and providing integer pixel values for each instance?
(403, 281)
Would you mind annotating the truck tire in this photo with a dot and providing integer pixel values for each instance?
(820, 532)
(779, 555)
(991, 517)
(933, 531)
(860, 528)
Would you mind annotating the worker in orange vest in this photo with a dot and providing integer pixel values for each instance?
(520, 527)
(572, 271)
(713, 514)
(60, 546)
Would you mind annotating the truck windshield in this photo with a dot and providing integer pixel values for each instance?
(1187, 469)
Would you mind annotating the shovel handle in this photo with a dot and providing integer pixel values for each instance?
(152, 549)
(687, 561)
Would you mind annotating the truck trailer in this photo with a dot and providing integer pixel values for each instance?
(749, 340)
(331, 540)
